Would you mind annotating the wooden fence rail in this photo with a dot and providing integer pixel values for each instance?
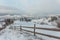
(50, 29)
(42, 34)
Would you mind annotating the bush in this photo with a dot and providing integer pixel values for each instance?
(53, 18)
(58, 25)
(8, 21)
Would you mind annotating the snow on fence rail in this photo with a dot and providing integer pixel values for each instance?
(50, 29)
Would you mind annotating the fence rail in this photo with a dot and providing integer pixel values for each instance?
(42, 34)
(50, 29)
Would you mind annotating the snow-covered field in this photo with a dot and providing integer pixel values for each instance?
(18, 23)
(44, 21)
(9, 34)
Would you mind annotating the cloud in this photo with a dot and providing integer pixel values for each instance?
(4, 9)
(33, 7)
(2, 2)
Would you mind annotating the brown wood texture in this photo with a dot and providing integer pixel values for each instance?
(51, 29)
(42, 34)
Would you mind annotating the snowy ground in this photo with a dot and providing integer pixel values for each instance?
(18, 24)
(9, 34)
(45, 21)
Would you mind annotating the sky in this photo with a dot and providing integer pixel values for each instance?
(31, 7)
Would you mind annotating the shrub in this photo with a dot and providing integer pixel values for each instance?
(53, 18)
(58, 25)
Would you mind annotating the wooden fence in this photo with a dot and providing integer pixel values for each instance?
(34, 32)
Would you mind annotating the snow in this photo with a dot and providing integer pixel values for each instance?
(20, 23)
(11, 34)
(31, 24)
(45, 21)
(0, 26)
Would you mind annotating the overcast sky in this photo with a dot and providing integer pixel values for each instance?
(33, 7)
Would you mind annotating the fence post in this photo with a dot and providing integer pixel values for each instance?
(20, 28)
(34, 29)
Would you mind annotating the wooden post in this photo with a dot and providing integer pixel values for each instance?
(20, 28)
(34, 29)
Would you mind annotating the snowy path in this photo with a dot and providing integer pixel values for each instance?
(17, 35)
